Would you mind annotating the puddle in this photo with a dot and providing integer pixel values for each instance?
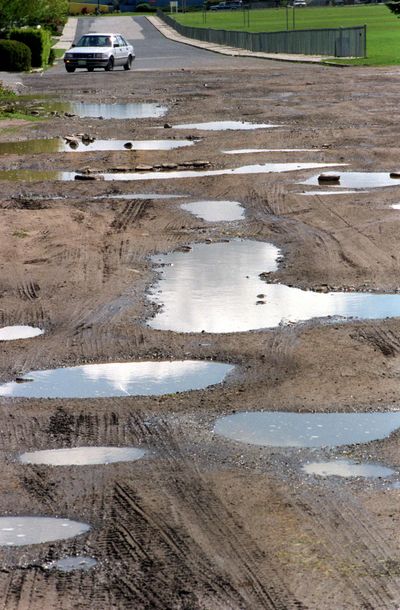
(347, 469)
(248, 151)
(60, 145)
(224, 125)
(18, 531)
(280, 429)
(118, 379)
(71, 564)
(28, 175)
(82, 456)
(360, 180)
(11, 333)
(396, 206)
(216, 288)
(215, 211)
(130, 110)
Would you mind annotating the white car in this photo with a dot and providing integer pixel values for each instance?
(99, 50)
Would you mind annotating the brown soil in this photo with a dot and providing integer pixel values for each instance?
(204, 523)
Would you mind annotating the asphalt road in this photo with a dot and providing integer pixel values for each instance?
(153, 50)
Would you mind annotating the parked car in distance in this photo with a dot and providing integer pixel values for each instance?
(299, 3)
(228, 5)
(99, 50)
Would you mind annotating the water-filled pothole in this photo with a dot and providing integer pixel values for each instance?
(129, 110)
(359, 180)
(347, 469)
(226, 125)
(215, 211)
(396, 206)
(12, 333)
(82, 456)
(30, 175)
(18, 531)
(281, 429)
(224, 293)
(53, 145)
(73, 563)
(118, 379)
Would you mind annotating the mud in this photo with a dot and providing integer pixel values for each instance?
(207, 524)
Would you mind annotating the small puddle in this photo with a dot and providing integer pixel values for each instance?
(18, 531)
(396, 206)
(215, 211)
(347, 469)
(29, 175)
(93, 110)
(118, 379)
(82, 456)
(248, 151)
(12, 333)
(360, 180)
(29, 147)
(225, 125)
(224, 293)
(281, 429)
(72, 564)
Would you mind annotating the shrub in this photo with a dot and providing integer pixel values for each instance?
(39, 42)
(52, 57)
(145, 7)
(14, 56)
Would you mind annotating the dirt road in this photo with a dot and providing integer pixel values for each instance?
(202, 523)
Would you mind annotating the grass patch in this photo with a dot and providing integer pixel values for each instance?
(383, 28)
(21, 233)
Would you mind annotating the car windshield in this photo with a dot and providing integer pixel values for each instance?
(94, 41)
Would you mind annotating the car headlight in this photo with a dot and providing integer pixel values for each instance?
(102, 55)
(68, 56)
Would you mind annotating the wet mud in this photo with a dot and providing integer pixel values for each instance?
(202, 522)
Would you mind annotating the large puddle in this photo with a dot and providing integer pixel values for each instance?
(18, 531)
(53, 145)
(215, 211)
(360, 180)
(281, 429)
(335, 192)
(226, 125)
(12, 333)
(216, 288)
(73, 563)
(118, 379)
(347, 469)
(130, 110)
(29, 175)
(82, 456)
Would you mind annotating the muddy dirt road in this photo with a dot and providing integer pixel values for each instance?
(201, 522)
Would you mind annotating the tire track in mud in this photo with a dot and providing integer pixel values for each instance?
(386, 340)
(219, 534)
(357, 552)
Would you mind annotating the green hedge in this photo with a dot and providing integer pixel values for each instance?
(39, 42)
(14, 56)
(145, 7)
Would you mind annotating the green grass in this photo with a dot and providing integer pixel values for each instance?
(383, 28)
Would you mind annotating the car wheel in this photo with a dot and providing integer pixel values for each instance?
(90, 69)
(128, 64)
(110, 65)
(70, 68)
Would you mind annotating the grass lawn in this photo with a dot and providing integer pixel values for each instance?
(383, 28)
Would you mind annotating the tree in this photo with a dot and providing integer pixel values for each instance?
(17, 13)
(394, 6)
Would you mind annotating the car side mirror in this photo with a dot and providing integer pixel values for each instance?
(116, 44)
(73, 45)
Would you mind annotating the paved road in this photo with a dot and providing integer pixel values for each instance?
(153, 50)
